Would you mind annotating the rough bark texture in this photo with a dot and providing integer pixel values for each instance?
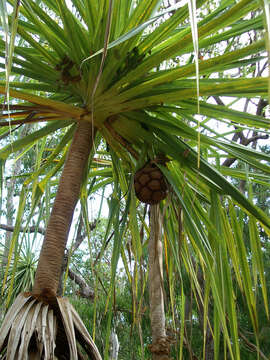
(52, 252)
(160, 346)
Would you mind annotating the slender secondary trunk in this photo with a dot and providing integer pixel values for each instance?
(114, 345)
(52, 252)
(10, 209)
(160, 346)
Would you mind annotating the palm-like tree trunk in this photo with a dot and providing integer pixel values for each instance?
(160, 346)
(52, 252)
(54, 331)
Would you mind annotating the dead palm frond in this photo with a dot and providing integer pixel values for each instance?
(35, 330)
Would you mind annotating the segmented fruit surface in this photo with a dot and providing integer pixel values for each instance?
(150, 185)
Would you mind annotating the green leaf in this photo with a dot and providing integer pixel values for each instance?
(32, 138)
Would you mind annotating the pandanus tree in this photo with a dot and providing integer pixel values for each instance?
(92, 72)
